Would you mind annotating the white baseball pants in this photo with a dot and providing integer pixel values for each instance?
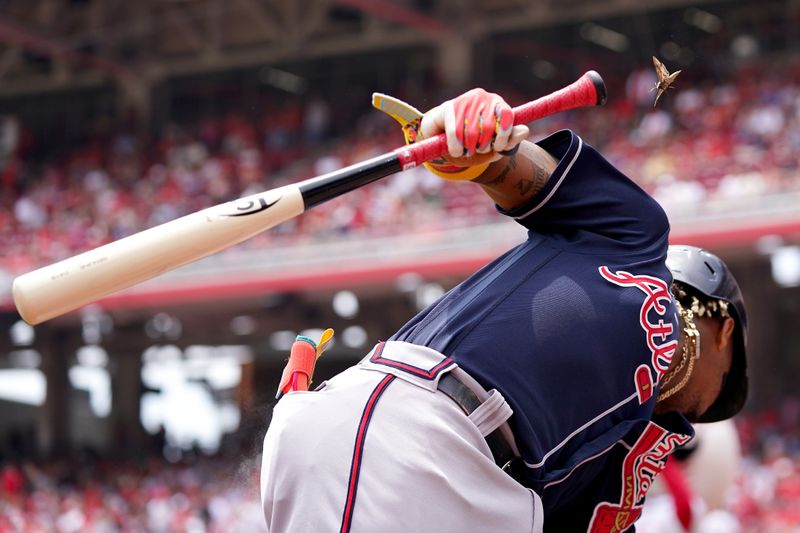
(380, 448)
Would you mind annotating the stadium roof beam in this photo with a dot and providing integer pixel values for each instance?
(213, 19)
(395, 13)
(265, 54)
(266, 21)
(560, 11)
(156, 39)
(185, 27)
(306, 16)
(16, 35)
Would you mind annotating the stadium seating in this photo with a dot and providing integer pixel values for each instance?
(705, 145)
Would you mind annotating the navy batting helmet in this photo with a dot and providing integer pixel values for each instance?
(707, 274)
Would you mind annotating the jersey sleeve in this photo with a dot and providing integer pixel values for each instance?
(590, 203)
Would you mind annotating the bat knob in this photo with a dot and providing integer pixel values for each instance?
(599, 85)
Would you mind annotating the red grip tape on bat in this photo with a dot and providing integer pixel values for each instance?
(300, 367)
(588, 90)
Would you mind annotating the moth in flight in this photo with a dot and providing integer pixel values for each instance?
(665, 79)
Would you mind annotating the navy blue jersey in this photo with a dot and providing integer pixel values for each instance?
(576, 327)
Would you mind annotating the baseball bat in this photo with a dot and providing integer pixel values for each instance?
(64, 286)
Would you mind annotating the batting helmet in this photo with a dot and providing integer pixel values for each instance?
(707, 274)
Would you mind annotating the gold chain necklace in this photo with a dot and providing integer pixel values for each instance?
(689, 353)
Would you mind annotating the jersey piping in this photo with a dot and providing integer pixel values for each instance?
(578, 430)
(557, 185)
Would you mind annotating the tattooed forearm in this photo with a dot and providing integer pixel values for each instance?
(524, 186)
(540, 177)
(514, 180)
(529, 187)
(510, 164)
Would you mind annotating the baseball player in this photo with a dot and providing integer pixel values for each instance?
(546, 391)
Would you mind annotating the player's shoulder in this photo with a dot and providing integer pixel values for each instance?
(587, 193)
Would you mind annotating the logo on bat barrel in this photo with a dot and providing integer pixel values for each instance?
(251, 207)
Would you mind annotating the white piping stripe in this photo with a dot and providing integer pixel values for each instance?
(586, 425)
(558, 184)
(574, 468)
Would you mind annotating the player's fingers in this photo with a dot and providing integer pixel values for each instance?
(441, 119)
(474, 128)
(432, 122)
(472, 125)
(518, 134)
(486, 134)
(454, 130)
(504, 121)
(489, 115)
(469, 122)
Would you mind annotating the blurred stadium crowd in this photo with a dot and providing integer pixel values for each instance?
(767, 495)
(730, 141)
(202, 496)
(141, 496)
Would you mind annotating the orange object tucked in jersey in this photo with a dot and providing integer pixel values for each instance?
(302, 359)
